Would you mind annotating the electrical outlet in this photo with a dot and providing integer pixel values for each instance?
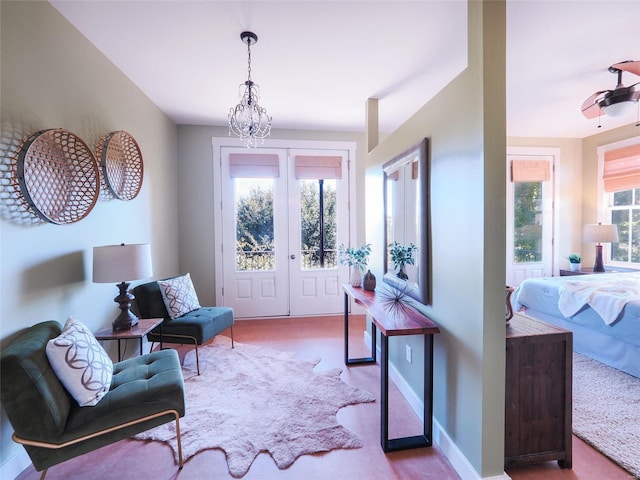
(408, 353)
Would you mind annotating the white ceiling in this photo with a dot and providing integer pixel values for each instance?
(317, 62)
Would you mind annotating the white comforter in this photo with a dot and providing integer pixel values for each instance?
(607, 295)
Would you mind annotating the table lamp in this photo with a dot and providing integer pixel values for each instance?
(122, 263)
(599, 234)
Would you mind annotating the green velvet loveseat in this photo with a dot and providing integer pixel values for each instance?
(145, 391)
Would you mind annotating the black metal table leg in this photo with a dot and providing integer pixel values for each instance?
(417, 441)
(384, 392)
(357, 361)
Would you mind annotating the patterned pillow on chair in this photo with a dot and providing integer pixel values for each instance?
(179, 295)
(80, 362)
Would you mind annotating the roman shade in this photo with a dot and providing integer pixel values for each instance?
(622, 169)
(530, 170)
(318, 167)
(254, 165)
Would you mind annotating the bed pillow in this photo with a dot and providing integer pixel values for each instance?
(80, 362)
(179, 295)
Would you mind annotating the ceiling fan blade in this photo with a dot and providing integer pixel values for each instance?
(632, 66)
(590, 108)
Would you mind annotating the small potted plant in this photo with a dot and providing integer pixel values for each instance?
(575, 262)
(401, 256)
(356, 258)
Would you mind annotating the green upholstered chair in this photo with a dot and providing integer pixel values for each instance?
(145, 391)
(193, 328)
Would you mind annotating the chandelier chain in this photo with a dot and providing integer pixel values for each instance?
(249, 60)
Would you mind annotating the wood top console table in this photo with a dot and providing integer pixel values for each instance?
(393, 322)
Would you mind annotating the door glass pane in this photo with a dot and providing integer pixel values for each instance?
(318, 228)
(527, 222)
(255, 245)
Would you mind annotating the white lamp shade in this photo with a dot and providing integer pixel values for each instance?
(121, 263)
(598, 233)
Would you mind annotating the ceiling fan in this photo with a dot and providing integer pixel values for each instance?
(614, 102)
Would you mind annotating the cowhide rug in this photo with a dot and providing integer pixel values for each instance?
(253, 399)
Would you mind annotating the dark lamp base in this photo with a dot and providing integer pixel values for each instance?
(127, 319)
(599, 265)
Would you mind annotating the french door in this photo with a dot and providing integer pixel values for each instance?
(283, 211)
(529, 215)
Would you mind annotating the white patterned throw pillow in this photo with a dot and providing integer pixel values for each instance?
(80, 362)
(179, 295)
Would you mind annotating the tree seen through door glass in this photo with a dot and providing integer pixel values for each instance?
(318, 228)
(255, 243)
(527, 222)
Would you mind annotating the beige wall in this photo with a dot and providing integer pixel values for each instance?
(53, 77)
(465, 124)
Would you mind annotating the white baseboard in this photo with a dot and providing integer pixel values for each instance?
(440, 436)
(15, 465)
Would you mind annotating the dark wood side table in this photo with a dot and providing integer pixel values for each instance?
(583, 271)
(404, 321)
(538, 393)
(144, 326)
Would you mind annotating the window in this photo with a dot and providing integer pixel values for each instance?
(527, 222)
(620, 184)
(318, 176)
(528, 177)
(624, 211)
(318, 223)
(255, 248)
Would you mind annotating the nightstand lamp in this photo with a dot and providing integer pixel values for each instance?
(122, 263)
(599, 234)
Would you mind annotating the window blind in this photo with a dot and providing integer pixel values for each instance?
(622, 169)
(530, 170)
(253, 165)
(318, 167)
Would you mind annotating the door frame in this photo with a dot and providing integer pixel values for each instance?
(219, 142)
(553, 152)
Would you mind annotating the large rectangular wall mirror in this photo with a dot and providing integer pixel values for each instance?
(406, 202)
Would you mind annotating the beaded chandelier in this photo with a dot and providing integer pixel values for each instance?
(248, 120)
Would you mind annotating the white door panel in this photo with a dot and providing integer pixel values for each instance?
(254, 292)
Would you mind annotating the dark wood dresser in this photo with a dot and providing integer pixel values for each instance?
(538, 406)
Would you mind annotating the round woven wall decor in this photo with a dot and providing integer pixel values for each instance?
(121, 164)
(58, 176)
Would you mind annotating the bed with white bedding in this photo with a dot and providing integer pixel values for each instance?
(602, 311)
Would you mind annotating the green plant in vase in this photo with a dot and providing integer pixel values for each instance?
(575, 262)
(401, 256)
(357, 258)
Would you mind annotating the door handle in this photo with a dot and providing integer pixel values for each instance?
(292, 257)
